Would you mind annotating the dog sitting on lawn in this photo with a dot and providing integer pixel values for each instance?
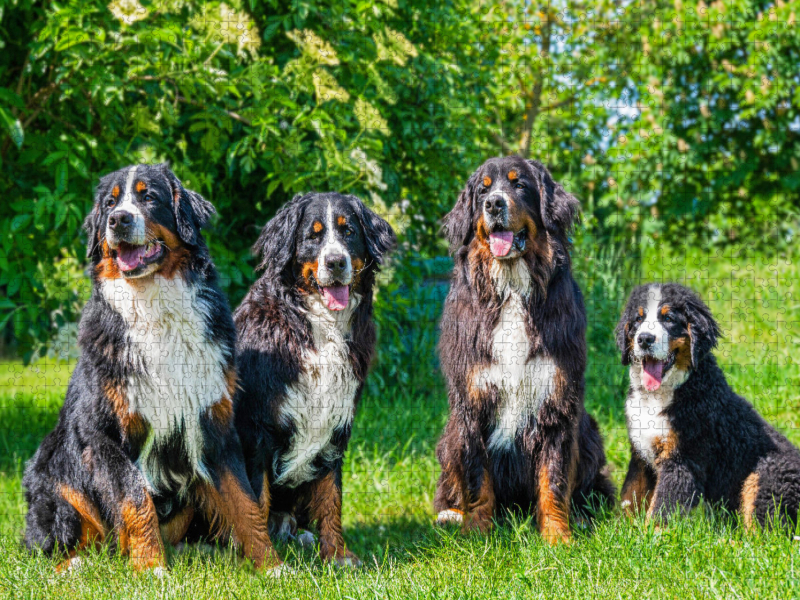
(513, 352)
(691, 435)
(305, 342)
(146, 435)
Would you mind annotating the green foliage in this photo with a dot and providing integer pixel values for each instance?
(249, 112)
(668, 121)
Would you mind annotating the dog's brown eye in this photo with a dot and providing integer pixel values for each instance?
(348, 232)
(148, 197)
(520, 186)
(667, 319)
(483, 190)
(111, 202)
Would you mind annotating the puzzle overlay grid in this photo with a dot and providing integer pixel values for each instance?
(637, 179)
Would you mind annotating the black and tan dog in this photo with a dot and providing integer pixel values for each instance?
(691, 435)
(306, 339)
(146, 434)
(513, 351)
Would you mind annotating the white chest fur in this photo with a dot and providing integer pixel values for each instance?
(523, 385)
(322, 400)
(644, 410)
(178, 372)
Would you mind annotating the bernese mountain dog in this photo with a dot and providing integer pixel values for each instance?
(146, 435)
(305, 342)
(691, 435)
(513, 352)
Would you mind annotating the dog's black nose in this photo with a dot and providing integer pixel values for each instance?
(495, 205)
(336, 263)
(646, 339)
(120, 220)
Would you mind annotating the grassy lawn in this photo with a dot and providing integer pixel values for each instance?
(391, 473)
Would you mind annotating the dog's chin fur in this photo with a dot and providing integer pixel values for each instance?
(511, 276)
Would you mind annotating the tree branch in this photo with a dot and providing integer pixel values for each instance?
(535, 101)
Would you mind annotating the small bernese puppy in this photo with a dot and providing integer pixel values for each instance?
(146, 435)
(691, 435)
(513, 352)
(305, 342)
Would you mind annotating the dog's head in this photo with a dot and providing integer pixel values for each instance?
(144, 221)
(325, 243)
(665, 332)
(507, 204)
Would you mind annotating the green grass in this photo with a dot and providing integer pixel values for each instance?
(391, 472)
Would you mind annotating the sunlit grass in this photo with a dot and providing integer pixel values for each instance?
(391, 471)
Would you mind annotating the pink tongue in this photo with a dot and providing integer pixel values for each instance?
(500, 242)
(129, 257)
(336, 297)
(652, 372)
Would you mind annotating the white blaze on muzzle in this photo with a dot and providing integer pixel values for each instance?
(137, 235)
(333, 247)
(660, 347)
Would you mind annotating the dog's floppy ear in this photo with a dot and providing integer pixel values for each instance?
(560, 209)
(192, 211)
(379, 235)
(93, 226)
(621, 332)
(275, 245)
(703, 329)
(457, 224)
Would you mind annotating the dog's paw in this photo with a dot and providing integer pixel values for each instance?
(349, 561)
(449, 516)
(282, 526)
(72, 565)
(306, 539)
(159, 572)
(279, 571)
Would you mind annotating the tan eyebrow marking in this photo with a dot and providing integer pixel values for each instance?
(140, 186)
(317, 226)
(641, 311)
(341, 221)
(512, 174)
(487, 181)
(115, 191)
(664, 309)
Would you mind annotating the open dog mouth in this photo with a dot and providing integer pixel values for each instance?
(131, 257)
(653, 371)
(334, 297)
(502, 242)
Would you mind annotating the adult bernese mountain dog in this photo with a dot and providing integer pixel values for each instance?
(691, 435)
(305, 342)
(513, 353)
(146, 435)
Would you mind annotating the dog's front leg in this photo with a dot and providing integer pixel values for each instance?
(555, 480)
(325, 507)
(230, 501)
(122, 489)
(677, 490)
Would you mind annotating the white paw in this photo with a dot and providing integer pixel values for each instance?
(75, 564)
(451, 515)
(625, 504)
(159, 572)
(350, 562)
(279, 571)
(306, 539)
(283, 526)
